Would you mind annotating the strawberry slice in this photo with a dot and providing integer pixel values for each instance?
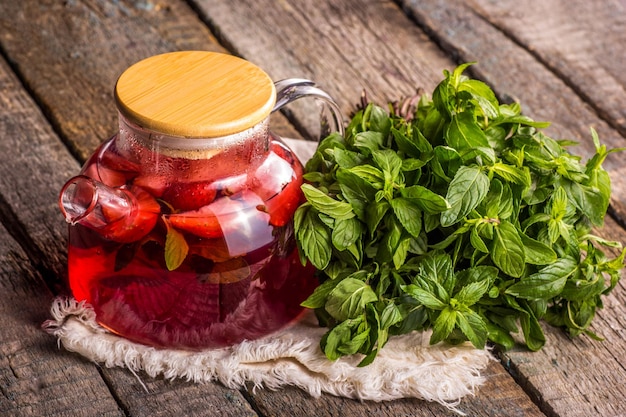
(235, 219)
(127, 227)
(110, 168)
(203, 222)
(272, 176)
(278, 182)
(282, 206)
(187, 196)
(153, 183)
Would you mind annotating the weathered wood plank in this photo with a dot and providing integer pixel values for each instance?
(583, 48)
(345, 46)
(36, 379)
(514, 72)
(142, 396)
(497, 397)
(69, 54)
(30, 177)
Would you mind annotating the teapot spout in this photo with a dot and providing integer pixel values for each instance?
(118, 214)
(83, 201)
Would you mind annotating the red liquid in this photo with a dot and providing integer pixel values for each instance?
(241, 277)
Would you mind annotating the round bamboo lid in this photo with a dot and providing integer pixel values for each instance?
(195, 94)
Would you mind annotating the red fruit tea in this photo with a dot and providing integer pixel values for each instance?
(216, 265)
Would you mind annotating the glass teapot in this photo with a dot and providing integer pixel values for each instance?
(181, 224)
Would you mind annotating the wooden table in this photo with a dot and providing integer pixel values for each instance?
(563, 59)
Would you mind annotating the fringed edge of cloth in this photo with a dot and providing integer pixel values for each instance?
(406, 367)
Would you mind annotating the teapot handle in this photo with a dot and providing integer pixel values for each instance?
(291, 89)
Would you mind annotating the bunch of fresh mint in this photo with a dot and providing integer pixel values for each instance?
(458, 216)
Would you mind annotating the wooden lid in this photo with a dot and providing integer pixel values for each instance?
(195, 94)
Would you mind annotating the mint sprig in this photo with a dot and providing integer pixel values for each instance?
(458, 215)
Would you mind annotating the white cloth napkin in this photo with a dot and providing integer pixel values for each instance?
(407, 367)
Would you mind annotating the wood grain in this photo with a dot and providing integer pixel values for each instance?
(584, 49)
(70, 53)
(36, 378)
(35, 165)
(497, 397)
(345, 46)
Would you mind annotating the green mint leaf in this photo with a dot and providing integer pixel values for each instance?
(473, 327)
(520, 176)
(393, 247)
(388, 161)
(545, 284)
(368, 142)
(443, 105)
(480, 273)
(558, 202)
(349, 298)
(507, 250)
(533, 334)
(438, 269)
(176, 248)
(314, 177)
(401, 252)
(424, 297)
(472, 292)
(319, 296)
(346, 158)
(443, 325)
(405, 144)
(409, 215)
(412, 164)
(372, 175)
(484, 97)
(500, 336)
(468, 188)
(581, 289)
(477, 241)
(345, 338)
(425, 199)
(456, 77)
(464, 134)
(357, 340)
(355, 187)
(446, 162)
(537, 253)
(390, 315)
(314, 237)
(317, 161)
(378, 120)
(375, 212)
(518, 119)
(591, 201)
(346, 233)
(338, 210)
(507, 205)
(356, 190)
(422, 143)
